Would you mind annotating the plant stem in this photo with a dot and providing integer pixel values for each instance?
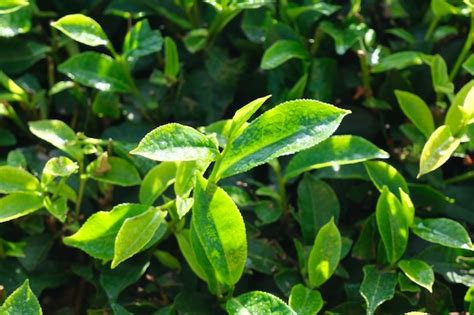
(465, 50)
(365, 73)
(431, 28)
(82, 186)
(318, 36)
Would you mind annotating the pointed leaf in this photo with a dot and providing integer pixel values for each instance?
(383, 174)
(242, 115)
(171, 59)
(175, 142)
(437, 150)
(9, 6)
(443, 231)
(19, 204)
(82, 28)
(305, 301)
(287, 128)
(419, 272)
(58, 134)
(185, 246)
(15, 179)
(114, 170)
(156, 181)
(377, 287)
(333, 152)
(258, 302)
(141, 40)
(417, 111)
(282, 51)
(21, 301)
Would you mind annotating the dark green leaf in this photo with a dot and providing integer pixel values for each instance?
(377, 287)
(141, 40)
(419, 272)
(282, 51)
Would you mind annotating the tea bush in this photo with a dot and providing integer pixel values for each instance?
(135, 180)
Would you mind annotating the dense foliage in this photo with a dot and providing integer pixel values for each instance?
(135, 180)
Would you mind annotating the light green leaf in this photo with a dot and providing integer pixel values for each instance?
(377, 287)
(392, 225)
(156, 181)
(417, 111)
(334, 152)
(305, 301)
(407, 206)
(443, 231)
(21, 302)
(220, 228)
(58, 207)
(317, 204)
(258, 302)
(455, 118)
(437, 150)
(287, 128)
(97, 235)
(175, 142)
(440, 77)
(9, 6)
(282, 51)
(186, 175)
(325, 254)
(19, 204)
(15, 179)
(113, 170)
(98, 71)
(60, 166)
(171, 59)
(383, 174)
(135, 233)
(398, 61)
(419, 272)
(196, 40)
(242, 115)
(58, 134)
(82, 28)
(442, 8)
(185, 246)
(468, 65)
(141, 40)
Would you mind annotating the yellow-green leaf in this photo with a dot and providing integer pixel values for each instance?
(82, 28)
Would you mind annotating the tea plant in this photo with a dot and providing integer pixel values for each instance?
(132, 181)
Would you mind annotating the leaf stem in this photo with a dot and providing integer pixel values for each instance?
(82, 185)
(465, 50)
(365, 73)
(434, 22)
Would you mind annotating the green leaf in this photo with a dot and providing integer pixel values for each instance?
(419, 272)
(325, 254)
(106, 104)
(437, 150)
(7, 138)
(282, 51)
(141, 40)
(392, 224)
(443, 231)
(15, 179)
(98, 71)
(186, 175)
(258, 302)
(16, 22)
(19, 204)
(97, 235)
(185, 246)
(399, 61)
(417, 111)
(196, 40)
(18, 55)
(82, 28)
(135, 233)
(305, 301)
(156, 181)
(344, 37)
(60, 166)
(333, 152)
(287, 128)
(175, 142)
(58, 207)
(21, 301)
(171, 59)
(58, 134)
(114, 170)
(220, 228)
(317, 204)
(377, 287)
(383, 174)
(468, 65)
(242, 115)
(456, 117)
(442, 8)
(9, 6)
(440, 77)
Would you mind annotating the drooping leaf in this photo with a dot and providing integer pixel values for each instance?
(282, 51)
(97, 235)
(141, 40)
(82, 28)
(419, 272)
(220, 228)
(335, 151)
(21, 301)
(156, 181)
(437, 150)
(443, 231)
(96, 70)
(135, 233)
(325, 254)
(196, 40)
(317, 204)
(377, 287)
(383, 174)
(19, 204)
(58, 134)
(417, 110)
(258, 302)
(305, 301)
(287, 128)
(175, 142)
(392, 225)
(113, 170)
(15, 179)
